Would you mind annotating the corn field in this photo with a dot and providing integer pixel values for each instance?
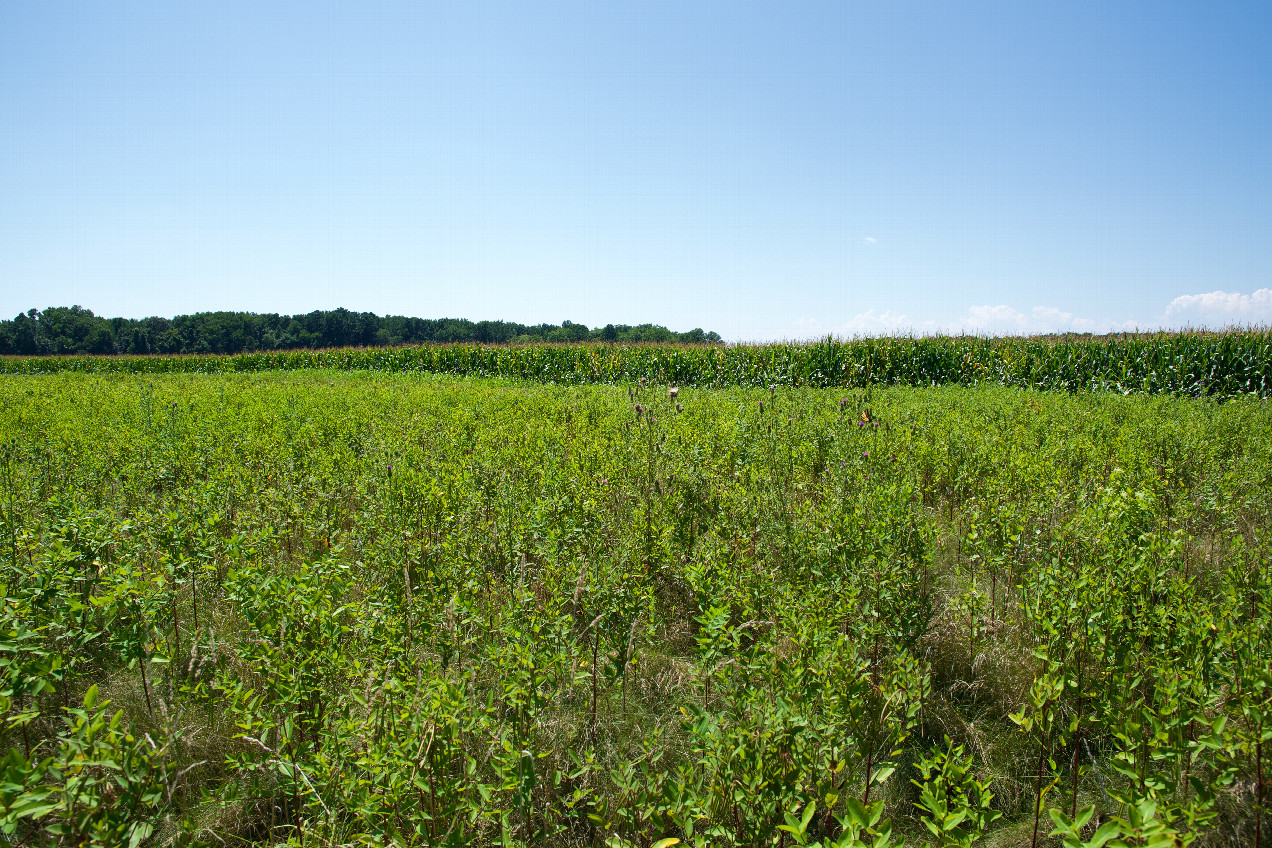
(1205, 364)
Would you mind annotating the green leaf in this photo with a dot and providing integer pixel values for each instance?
(808, 816)
(33, 807)
(1106, 832)
(883, 774)
(140, 831)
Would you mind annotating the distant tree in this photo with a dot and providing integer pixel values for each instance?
(100, 340)
(26, 336)
(68, 328)
(136, 342)
(454, 330)
(494, 332)
(74, 329)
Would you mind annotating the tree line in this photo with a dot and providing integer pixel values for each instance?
(76, 330)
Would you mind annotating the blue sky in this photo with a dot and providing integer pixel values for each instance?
(767, 171)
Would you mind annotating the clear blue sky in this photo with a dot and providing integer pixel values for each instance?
(766, 171)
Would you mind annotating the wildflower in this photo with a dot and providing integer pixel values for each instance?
(865, 454)
(679, 408)
(672, 392)
(639, 411)
(761, 406)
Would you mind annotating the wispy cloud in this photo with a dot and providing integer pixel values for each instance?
(995, 319)
(870, 240)
(886, 323)
(1216, 310)
(1001, 319)
(1220, 309)
(986, 319)
(1057, 319)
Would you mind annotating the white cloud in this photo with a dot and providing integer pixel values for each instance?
(886, 323)
(986, 319)
(994, 319)
(1220, 309)
(1005, 320)
(870, 240)
(1001, 319)
(1050, 314)
(809, 327)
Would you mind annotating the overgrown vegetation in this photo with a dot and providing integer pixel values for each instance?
(1195, 363)
(336, 608)
(61, 331)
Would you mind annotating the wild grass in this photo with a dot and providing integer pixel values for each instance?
(400, 608)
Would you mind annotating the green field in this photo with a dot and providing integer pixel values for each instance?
(333, 607)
